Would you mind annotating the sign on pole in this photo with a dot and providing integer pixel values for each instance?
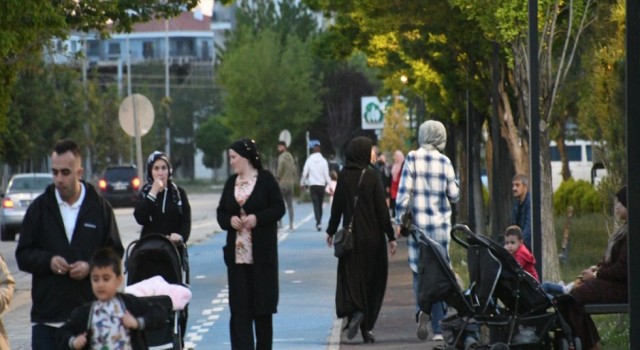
(372, 113)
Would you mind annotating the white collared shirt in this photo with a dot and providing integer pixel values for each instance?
(69, 213)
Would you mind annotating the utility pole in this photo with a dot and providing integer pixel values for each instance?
(166, 91)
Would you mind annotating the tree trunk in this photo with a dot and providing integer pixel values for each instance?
(550, 262)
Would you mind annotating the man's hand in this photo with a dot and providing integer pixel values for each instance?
(59, 265)
(79, 270)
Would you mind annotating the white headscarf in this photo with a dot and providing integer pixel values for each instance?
(432, 135)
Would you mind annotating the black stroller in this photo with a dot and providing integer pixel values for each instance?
(501, 296)
(155, 255)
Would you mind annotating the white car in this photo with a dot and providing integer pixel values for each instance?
(21, 191)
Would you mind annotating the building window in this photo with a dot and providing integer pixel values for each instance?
(93, 48)
(114, 48)
(147, 49)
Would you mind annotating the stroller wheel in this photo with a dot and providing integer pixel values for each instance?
(471, 346)
(499, 346)
(577, 344)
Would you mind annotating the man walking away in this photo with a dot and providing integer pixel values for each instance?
(315, 174)
(286, 176)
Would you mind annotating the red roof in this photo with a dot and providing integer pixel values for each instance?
(186, 21)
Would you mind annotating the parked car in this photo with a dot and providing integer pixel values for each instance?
(119, 185)
(21, 191)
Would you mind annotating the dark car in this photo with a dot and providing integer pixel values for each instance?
(120, 185)
(21, 191)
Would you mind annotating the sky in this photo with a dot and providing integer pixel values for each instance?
(205, 6)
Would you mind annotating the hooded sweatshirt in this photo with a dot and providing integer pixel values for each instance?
(316, 171)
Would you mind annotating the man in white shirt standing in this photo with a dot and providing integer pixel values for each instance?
(61, 230)
(315, 175)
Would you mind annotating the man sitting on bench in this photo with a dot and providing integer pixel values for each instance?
(605, 283)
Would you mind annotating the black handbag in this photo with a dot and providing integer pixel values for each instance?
(343, 238)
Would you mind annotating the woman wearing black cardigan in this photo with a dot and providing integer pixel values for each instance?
(362, 275)
(250, 207)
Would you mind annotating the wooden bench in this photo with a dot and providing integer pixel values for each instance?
(603, 309)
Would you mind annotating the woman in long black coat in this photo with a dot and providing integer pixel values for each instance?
(362, 274)
(250, 206)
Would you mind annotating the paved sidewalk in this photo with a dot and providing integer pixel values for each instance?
(396, 326)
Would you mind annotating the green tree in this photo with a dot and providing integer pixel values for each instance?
(269, 86)
(212, 138)
(395, 133)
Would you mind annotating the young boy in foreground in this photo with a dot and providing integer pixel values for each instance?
(115, 320)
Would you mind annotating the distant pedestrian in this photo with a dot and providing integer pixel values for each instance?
(7, 287)
(521, 212)
(250, 206)
(362, 274)
(396, 173)
(428, 178)
(115, 320)
(61, 230)
(315, 174)
(331, 187)
(286, 176)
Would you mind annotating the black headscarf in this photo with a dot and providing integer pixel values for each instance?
(358, 152)
(248, 149)
(171, 187)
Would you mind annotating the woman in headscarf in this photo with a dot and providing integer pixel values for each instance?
(163, 206)
(396, 172)
(427, 188)
(250, 207)
(604, 283)
(362, 274)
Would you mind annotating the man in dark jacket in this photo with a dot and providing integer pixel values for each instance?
(60, 232)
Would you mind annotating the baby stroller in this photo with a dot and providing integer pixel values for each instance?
(502, 297)
(156, 255)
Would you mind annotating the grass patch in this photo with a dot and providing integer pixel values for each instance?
(587, 243)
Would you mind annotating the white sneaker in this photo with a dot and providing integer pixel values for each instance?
(437, 337)
(566, 289)
(423, 324)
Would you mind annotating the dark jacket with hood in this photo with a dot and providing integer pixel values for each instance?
(43, 236)
(154, 317)
(169, 212)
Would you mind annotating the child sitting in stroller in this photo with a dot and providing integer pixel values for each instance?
(114, 320)
(514, 243)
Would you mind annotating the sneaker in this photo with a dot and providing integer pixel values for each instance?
(437, 337)
(318, 227)
(566, 289)
(423, 326)
(291, 227)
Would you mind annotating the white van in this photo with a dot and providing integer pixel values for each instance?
(584, 162)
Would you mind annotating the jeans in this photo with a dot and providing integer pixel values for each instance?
(552, 289)
(438, 310)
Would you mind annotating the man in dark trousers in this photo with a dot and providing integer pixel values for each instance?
(315, 174)
(521, 212)
(60, 232)
(286, 176)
